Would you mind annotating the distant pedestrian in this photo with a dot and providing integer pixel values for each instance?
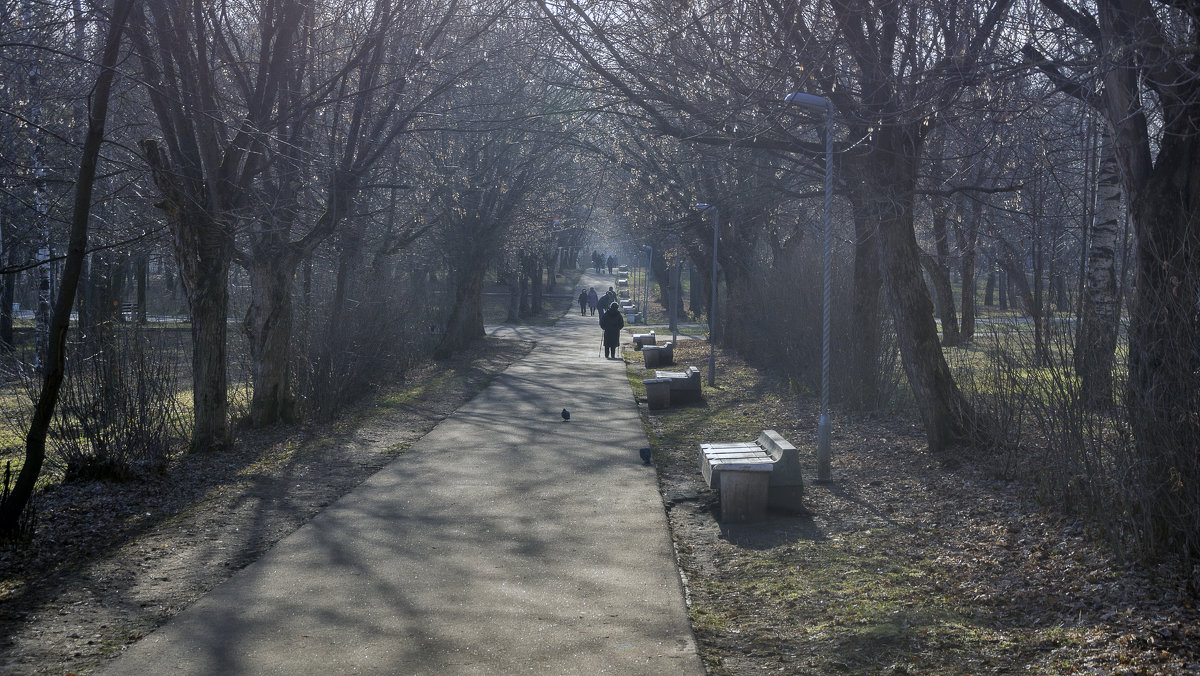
(611, 262)
(583, 303)
(612, 322)
(592, 300)
(609, 298)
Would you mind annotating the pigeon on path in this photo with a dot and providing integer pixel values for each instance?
(566, 415)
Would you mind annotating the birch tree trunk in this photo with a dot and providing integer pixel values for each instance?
(1100, 311)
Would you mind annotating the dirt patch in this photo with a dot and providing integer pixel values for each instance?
(905, 563)
(111, 562)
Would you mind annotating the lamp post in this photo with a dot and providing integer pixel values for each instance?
(646, 289)
(712, 308)
(673, 275)
(824, 426)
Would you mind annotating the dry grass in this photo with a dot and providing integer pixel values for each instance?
(905, 563)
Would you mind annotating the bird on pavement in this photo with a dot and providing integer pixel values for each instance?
(566, 415)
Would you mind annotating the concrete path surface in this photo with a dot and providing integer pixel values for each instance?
(505, 541)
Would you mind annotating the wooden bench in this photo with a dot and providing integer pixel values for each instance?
(641, 340)
(685, 385)
(752, 476)
(654, 356)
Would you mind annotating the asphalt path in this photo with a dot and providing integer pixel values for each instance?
(505, 541)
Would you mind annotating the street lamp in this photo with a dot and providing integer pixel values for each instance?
(712, 308)
(824, 426)
(646, 289)
(674, 276)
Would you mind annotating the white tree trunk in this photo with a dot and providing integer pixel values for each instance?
(1101, 310)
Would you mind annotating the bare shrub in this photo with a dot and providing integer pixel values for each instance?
(372, 340)
(119, 408)
(992, 375)
(1075, 456)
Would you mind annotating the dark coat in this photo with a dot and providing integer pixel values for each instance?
(612, 322)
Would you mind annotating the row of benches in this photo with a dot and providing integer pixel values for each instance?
(750, 476)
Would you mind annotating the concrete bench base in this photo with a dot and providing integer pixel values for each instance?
(744, 494)
(779, 487)
(658, 355)
(658, 393)
(641, 340)
(685, 385)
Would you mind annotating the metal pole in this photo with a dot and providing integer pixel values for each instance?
(712, 307)
(675, 305)
(825, 425)
(646, 289)
(712, 311)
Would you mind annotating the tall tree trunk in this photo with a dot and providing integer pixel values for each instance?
(513, 314)
(945, 413)
(35, 443)
(861, 386)
(968, 244)
(1100, 312)
(8, 238)
(943, 296)
(142, 270)
(535, 292)
(204, 250)
(8, 285)
(1036, 300)
(696, 294)
(466, 317)
(939, 271)
(1164, 343)
(523, 308)
(268, 329)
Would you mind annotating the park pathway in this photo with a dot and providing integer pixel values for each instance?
(505, 541)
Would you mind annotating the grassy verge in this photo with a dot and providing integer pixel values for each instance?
(904, 563)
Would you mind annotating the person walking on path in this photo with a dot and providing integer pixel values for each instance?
(609, 298)
(592, 299)
(611, 262)
(583, 303)
(612, 323)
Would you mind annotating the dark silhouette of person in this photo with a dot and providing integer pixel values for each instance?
(612, 322)
(583, 303)
(611, 262)
(592, 300)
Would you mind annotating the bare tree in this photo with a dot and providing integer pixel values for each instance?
(35, 444)
(1142, 79)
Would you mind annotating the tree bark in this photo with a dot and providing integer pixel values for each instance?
(466, 318)
(968, 243)
(938, 268)
(862, 373)
(204, 250)
(945, 413)
(268, 328)
(1100, 312)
